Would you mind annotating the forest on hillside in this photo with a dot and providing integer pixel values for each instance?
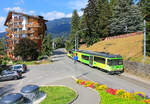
(104, 18)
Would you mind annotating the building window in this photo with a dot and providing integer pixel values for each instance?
(15, 29)
(20, 29)
(85, 57)
(99, 59)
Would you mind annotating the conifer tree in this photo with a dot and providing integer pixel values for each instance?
(127, 18)
(90, 14)
(74, 28)
(75, 22)
(103, 15)
(47, 45)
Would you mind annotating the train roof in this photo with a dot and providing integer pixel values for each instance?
(103, 54)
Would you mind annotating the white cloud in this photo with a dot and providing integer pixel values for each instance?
(69, 15)
(78, 4)
(17, 9)
(80, 13)
(19, 2)
(55, 15)
(2, 20)
(31, 12)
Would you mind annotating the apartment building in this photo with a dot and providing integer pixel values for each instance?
(20, 25)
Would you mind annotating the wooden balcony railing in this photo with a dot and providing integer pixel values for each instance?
(32, 25)
(17, 20)
(17, 26)
(7, 34)
(33, 38)
(7, 30)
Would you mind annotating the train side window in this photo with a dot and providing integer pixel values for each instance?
(99, 59)
(85, 57)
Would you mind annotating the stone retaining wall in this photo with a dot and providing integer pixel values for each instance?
(140, 69)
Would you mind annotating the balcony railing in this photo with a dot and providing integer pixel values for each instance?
(17, 26)
(7, 30)
(34, 37)
(24, 32)
(32, 25)
(17, 20)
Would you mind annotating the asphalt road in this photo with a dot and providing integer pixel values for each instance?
(64, 67)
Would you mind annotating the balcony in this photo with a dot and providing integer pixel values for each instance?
(18, 26)
(7, 34)
(17, 19)
(30, 31)
(34, 38)
(8, 30)
(18, 32)
(32, 25)
(24, 32)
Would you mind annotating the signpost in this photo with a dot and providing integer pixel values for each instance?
(75, 63)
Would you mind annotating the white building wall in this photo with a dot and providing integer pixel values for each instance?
(24, 23)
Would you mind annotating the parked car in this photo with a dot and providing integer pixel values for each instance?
(9, 75)
(18, 67)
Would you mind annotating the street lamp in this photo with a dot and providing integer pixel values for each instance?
(76, 46)
(76, 38)
(144, 39)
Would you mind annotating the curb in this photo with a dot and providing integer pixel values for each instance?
(40, 100)
(77, 95)
(74, 78)
(88, 88)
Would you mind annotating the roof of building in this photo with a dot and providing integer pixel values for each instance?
(23, 14)
(103, 54)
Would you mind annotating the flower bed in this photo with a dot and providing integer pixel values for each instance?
(120, 95)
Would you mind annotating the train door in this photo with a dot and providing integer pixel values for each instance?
(91, 61)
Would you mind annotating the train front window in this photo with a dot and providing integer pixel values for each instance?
(113, 62)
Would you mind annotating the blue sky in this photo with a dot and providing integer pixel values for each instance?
(50, 9)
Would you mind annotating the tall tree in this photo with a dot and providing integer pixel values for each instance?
(2, 47)
(59, 41)
(74, 28)
(90, 14)
(103, 15)
(127, 18)
(75, 22)
(27, 49)
(47, 45)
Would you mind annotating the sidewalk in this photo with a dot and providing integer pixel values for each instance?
(86, 95)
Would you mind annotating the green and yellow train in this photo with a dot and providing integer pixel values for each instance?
(108, 62)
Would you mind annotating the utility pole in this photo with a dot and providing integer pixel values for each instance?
(144, 39)
(76, 47)
(76, 38)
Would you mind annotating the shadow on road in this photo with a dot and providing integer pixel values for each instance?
(84, 74)
(59, 52)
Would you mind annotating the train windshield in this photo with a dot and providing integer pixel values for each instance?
(113, 62)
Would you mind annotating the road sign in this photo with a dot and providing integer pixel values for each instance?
(75, 58)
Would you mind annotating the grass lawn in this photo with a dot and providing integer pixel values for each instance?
(107, 98)
(58, 95)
